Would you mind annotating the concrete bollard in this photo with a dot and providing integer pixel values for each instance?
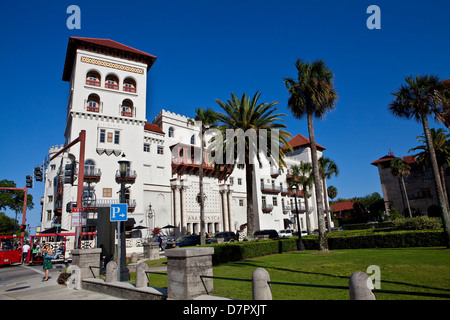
(111, 272)
(360, 287)
(151, 250)
(74, 281)
(141, 276)
(184, 268)
(260, 286)
(134, 257)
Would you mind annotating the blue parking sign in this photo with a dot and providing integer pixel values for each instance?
(119, 212)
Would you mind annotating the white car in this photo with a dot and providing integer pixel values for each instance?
(285, 233)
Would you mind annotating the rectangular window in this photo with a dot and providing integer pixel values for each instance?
(102, 135)
(160, 150)
(146, 147)
(116, 137)
(110, 137)
(239, 181)
(274, 201)
(107, 192)
(241, 202)
(231, 180)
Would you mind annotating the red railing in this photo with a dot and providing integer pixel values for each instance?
(129, 89)
(92, 109)
(112, 86)
(127, 113)
(95, 83)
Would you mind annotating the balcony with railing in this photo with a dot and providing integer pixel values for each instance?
(130, 176)
(301, 209)
(129, 89)
(270, 188)
(274, 172)
(106, 203)
(266, 208)
(113, 86)
(92, 174)
(95, 83)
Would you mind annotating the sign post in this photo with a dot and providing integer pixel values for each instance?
(119, 213)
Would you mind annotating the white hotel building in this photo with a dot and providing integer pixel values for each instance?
(107, 99)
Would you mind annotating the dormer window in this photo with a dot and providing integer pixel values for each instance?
(129, 85)
(112, 82)
(93, 79)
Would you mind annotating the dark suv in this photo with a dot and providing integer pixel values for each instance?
(227, 236)
(270, 232)
(184, 241)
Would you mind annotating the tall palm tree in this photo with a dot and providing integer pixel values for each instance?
(401, 169)
(246, 114)
(418, 99)
(327, 169)
(207, 118)
(332, 192)
(312, 94)
(442, 148)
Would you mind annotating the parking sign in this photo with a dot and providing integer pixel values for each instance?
(118, 212)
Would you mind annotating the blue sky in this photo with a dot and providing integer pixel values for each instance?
(208, 49)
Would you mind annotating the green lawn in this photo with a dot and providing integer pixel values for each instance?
(425, 270)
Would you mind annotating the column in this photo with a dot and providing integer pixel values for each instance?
(224, 210)
(229, 204)
(182, 210)
(175, 196)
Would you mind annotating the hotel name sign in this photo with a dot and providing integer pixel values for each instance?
(207, 218)
(111, 65)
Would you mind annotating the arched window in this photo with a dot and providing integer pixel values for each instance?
(89, 167)
(93, 103)
(193, 139)
(127, 108)
(112, 82)
(93, 78)
(129, 85)
(171, 132)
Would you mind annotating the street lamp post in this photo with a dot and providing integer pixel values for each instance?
(122, 274)
(300, 245)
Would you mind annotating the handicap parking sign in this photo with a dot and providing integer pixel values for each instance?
(119, 212)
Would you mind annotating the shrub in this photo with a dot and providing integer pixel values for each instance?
(418, 223)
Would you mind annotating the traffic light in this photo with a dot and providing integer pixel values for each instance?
(29, 181)
(23, 227)
(38, 174)
(69, 170)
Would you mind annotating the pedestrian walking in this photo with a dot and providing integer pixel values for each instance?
(47, 265)
(26, 248)
(160, 243)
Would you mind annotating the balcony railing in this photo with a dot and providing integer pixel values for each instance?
(275, 172)
(105, 203)
(270, 188)
(127, 113)
(94, 83)
(129, 89)
(92, 174)
(112, 86)
(130, 176)
(266, 207)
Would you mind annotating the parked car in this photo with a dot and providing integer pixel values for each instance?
(227, 236)
(184, 241)
(286, 233)
(270, 232)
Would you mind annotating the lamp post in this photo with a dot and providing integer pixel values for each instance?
(122, 274)
(300, 245)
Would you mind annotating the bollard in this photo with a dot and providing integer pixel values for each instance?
(260, 285)
(111, 272)
(141, 277)
(74, 281)
(360, 287)
(134, 257)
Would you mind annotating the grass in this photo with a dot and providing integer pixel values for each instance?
(423, 270)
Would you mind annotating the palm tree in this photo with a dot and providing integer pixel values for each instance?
(208, 118)
(327, 168)
(401, 169)
(303, 173)
(247, 114)
(312, 95)
(419, 98)
(441, 145)
(332, 192)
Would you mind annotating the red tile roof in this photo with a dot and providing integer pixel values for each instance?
(342, 206)
(79, 42)
(302, 141)
(153, 127)
(389, 157)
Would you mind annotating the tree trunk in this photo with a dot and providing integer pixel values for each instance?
(437, 181)
(325, 201)
(202, 200)
(406, 196)
(249, 173)
(323, 242)
(308, 223)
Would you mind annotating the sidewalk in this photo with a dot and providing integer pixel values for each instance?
(36, 289)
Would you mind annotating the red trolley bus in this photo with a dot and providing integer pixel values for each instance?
(10, 249)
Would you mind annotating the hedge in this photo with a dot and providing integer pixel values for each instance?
(235, 251)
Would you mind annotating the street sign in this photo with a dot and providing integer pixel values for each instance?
(79, 216)
(118, 212)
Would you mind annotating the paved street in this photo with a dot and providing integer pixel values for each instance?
(23, 282)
